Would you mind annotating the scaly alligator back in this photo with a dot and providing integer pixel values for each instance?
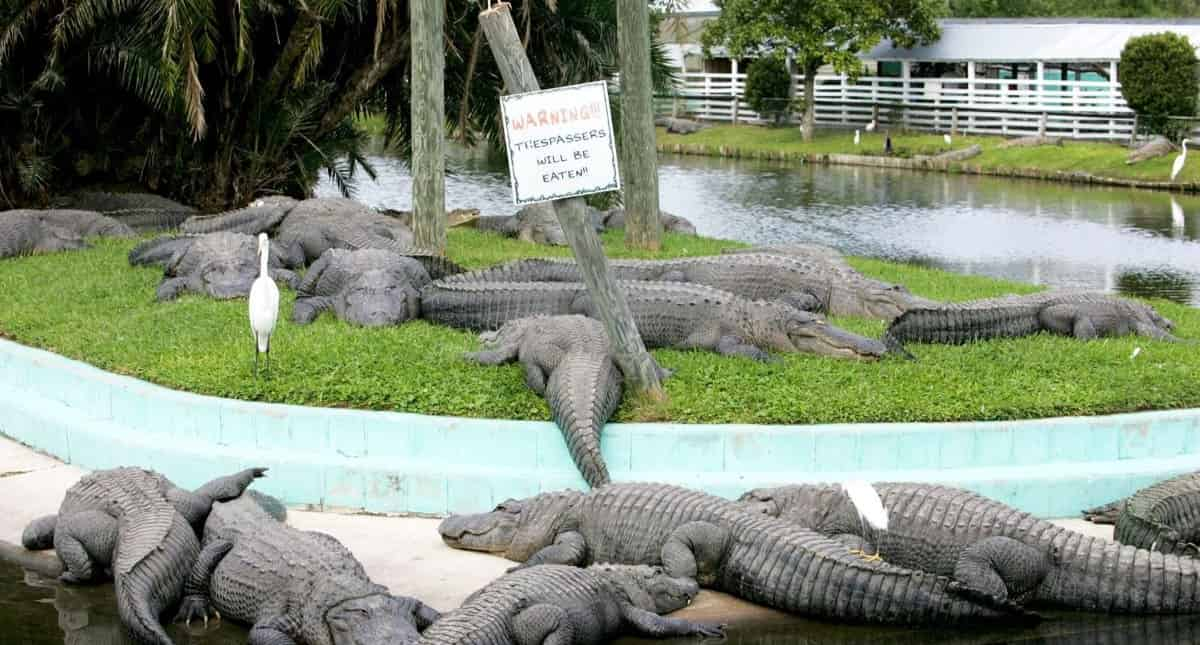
(487, 306)
(1164, 517)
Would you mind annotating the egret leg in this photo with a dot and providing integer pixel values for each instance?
(268, 358)
(255, 355)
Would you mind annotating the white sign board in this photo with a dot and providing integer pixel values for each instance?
(560, 143)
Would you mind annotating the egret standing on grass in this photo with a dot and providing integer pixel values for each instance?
(871, 513)
(264, 305)
(946, 138)
(1179, 161)
(871, 126)
(857, 137)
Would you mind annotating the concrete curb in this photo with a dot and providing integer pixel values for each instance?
(390, 462)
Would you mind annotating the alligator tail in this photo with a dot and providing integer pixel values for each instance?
(150, 569)
(158, 219)
(39, 534)
(1011, 609)
(159, 250)
(251, 220)
(955, 326)
(584, 392)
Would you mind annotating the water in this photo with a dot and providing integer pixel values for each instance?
(1131, 241)
(35, 610)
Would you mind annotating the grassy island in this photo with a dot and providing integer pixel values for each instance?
(92, 306)
(1098, 159)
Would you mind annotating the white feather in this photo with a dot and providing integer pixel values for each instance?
(867, 502)
(871, 126)
(264, 299)
(1136, 351)
(947, 139)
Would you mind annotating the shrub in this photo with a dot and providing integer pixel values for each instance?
(1158, 79)
(767, 88)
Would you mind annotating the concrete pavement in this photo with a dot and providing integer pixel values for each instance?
(404, 553)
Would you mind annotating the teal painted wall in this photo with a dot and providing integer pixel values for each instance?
(406, 463)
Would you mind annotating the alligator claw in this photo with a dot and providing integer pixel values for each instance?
(710, 630)
(192, 607)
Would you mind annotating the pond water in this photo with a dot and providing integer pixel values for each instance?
(35, 610)
(1132, 241)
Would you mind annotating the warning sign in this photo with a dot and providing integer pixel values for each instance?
(560, 143)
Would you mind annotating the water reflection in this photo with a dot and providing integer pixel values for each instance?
(1031, 231)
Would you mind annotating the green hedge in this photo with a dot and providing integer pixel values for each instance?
(1158, 79)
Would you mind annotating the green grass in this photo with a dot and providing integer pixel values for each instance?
(1096, 158)
(92, 306)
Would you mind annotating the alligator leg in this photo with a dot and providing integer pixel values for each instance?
(287, 277)
(733, 346)
(194, 506)
(1001, 567)
(535, 378)
(500, 356)
(694, 551)
(543, 624)
(39, 534)
(195, 602)
(269, 632)
(568, 548)
(804, 301)
(171, 288)
(1106, 514)
(306, 310)
(651, 624)
(85, 542)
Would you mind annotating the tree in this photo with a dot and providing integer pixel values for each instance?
(428, 115)
(639, 163)
(1158, 79)
(768, 85)
(817, 32)
(1074, 8)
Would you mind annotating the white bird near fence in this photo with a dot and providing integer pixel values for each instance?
(871, 126)
(264, 305)
(946, 138)
(1179, 161)
(857, 137)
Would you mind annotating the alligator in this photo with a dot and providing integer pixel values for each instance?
(1080, 314)
(722, 546)
(568, 360)
(293, 587)
(667, 314)
(1156, 147)
(995, 549)
(260, 216)
(1163, 517)
(222, 265)
(536, 223)
(141, 526)
(370, 287)
(676, 125)
(140, 211)
(31, 232)
(615, 218)
(559, 604)
(802, 283)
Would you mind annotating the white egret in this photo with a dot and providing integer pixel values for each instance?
(857, 137)
(1177, 220)
(946, 138)
(871, 512)
(1179, 161)
(264, 305)
(871, 126)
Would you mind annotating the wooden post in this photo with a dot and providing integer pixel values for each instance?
(428, 122)
(639, 156)
(954, 122)
(1042, 126)
(628, 349)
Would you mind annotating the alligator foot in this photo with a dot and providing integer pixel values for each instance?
(874, 557)
(196, 606)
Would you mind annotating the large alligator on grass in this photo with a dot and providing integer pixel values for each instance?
(1079, 314)
(723, 546)
(221, 265)
(31, 232)
(142, 527)
(370, 287)
(667, 314)
(568, 360)
(139, 211)
(1164, 517)
(293, 587)
(810, 285)
(995, 549)
(568, 605)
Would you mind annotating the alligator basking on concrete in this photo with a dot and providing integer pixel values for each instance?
(723, 546)
(293, 587)
(996, 549)
(567, 359)
(809, 285)
(568, 605)
(370, 287)
(141, 526)
(1079, 314)
(1164, 517)
(667, 314)
(30, 232)
(221, 265)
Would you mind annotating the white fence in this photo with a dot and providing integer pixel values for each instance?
(1074, 109)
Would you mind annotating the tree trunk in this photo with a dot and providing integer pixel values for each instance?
(808, 126)
(639, 157)
(630, 353)
(426, 21)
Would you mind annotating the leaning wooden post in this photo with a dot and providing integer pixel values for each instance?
(628, 349)
(639, 156)
(428, 122)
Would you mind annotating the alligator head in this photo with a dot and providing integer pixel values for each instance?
(375, 618)
(874, 299)
(786, 329)
(377, 298)
(515, 529)
(650, 588)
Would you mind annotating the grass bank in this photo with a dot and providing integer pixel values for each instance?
(1073, 161)
(92, 306)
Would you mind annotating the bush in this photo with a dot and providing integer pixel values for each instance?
(767, 88)
(1158, 79)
